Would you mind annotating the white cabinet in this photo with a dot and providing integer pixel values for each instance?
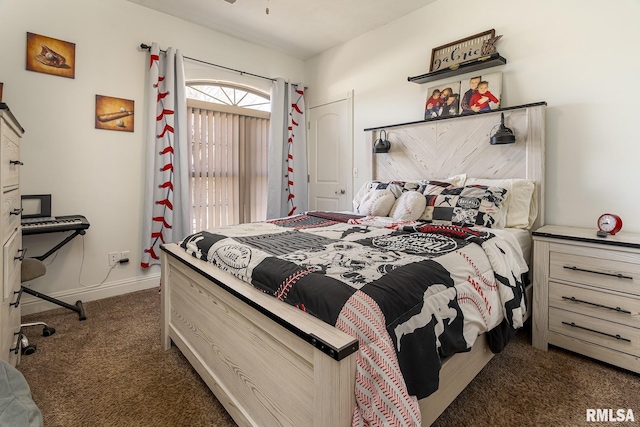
(11, 235)
(587, 294)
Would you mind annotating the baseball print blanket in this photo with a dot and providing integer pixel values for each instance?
(411, 293)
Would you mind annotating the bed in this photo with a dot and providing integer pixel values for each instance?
(270, 363)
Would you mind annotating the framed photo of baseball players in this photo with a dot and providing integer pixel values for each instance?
(114, 113)
(51, 56)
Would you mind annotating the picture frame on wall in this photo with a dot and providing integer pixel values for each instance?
(114, 113)
(1, 84)
(51, 56)
(480, 93)
(442, 100)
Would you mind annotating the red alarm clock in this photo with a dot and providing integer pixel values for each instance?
(609, 224)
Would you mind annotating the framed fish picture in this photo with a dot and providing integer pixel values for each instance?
(114, 113)
(51, 56)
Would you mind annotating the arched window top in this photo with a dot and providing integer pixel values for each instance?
(226, 93)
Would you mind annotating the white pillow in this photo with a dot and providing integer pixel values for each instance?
(457, 180)
(377, 203)
(409, 206)
(522, 206)
(357, 199)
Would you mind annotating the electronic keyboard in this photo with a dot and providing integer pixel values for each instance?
(54, 224)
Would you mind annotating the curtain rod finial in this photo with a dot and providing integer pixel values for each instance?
(144, 46)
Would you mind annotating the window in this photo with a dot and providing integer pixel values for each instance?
(229, 94)
(229, 129)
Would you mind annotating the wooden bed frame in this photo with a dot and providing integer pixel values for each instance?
(271, 364)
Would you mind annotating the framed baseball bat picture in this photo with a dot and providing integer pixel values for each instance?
(114, 113)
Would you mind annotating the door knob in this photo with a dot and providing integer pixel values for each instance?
(340, 192)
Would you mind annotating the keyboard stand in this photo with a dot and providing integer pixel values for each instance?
(61, 244)
(78, 308)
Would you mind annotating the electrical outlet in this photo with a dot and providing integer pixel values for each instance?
(125, 255)
(113, 258)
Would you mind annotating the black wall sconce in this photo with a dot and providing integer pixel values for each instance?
(382, 145)
(503, 135)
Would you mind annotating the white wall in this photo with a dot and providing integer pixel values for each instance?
(581, 57)
(99, 173)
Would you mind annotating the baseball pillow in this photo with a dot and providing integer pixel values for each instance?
(409, 206)
(377, 203)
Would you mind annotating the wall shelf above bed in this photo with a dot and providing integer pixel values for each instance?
(491, 61)
(436, 119)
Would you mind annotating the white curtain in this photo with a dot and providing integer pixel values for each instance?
(166, 209)
(287, 179)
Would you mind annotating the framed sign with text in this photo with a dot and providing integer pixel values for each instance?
(457, 52)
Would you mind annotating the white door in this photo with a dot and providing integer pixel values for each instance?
(330, 139)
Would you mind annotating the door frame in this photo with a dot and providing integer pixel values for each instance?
(348, 97)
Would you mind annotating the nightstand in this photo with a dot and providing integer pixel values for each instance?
(586, 293)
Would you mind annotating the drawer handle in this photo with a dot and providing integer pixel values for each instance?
(618, 337)
(17, 303)
(16, 211)
(618, 309)
(16, 162)
(16, 349)
(22, 252)
(619, 276)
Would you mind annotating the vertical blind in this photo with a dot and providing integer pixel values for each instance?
(228, 151)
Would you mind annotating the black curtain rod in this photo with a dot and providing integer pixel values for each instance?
(147, 47)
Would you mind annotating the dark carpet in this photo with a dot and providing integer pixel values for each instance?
(110, 370)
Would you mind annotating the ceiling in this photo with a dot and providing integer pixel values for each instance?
(300, 28)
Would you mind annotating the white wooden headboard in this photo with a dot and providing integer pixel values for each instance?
(440, 148)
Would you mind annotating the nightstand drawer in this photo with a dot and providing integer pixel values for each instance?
(13, 349)
(610, 307)
(10, 220)
(12, 264)
(14, 318)
(10, 155)
(10, 333)
(591, 329)
(596, 267)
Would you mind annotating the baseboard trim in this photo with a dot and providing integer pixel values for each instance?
(30, 304)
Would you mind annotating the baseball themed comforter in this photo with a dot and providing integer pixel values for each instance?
(411, 293)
